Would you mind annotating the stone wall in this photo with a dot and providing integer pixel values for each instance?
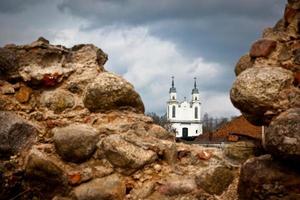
(71, 130)
(267, 92)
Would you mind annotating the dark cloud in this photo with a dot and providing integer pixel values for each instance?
(13, 6)
(216, 29)
(143, 11)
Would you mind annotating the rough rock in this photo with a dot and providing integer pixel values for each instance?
(107, 188)
(80, 176)
(282, 137)
(85, 53)
(15, 134)
(289, 14)
(178, 185)
(284, 54)
(75, 143)
(240, 151)
(244, 63)
(295, 4)
(144, 191)
(58, 100)
(41, 63)
(259, 92)
(39, 165)
(159, 132)
(215, 181)
(109, 91)
(123, 154)
(6, 88)
(8, 62)
(23, 95)
(262, 48)
(265, 178)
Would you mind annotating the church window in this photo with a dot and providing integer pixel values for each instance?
(173, 111)
(173, 97)
(196, 98)
(196, 112)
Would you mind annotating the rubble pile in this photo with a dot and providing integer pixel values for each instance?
(71, 130)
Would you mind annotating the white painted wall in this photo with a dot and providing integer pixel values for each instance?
(193, 129)
(185, 116)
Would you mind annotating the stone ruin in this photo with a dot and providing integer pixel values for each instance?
(267, 92)
(71, 130)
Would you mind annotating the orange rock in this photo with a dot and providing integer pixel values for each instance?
(204, 155)
(74, 178)
(23, 95)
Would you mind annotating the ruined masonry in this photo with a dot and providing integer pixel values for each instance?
(70, 130)
(267, 92)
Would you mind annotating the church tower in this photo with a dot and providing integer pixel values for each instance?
(172, 103)
(172, 92)
(196, 105)
(195, 92)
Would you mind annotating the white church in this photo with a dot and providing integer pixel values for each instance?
(185, 117)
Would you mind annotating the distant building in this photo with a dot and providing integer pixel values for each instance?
(185, 117)
(238, 129)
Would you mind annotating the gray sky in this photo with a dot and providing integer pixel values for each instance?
(149, 41)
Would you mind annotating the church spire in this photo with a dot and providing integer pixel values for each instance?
(195, 90)
(172, 89)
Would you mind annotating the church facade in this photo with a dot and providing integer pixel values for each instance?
(185, 116)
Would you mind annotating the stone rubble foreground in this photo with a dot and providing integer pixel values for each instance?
(71, 130)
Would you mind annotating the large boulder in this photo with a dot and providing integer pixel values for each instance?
(107, 188)
(266, 179)
(15, 134)
(41, 63)
(261, 93)
(123, 154)
(109, 91)
(282, 136)
(75, 143)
